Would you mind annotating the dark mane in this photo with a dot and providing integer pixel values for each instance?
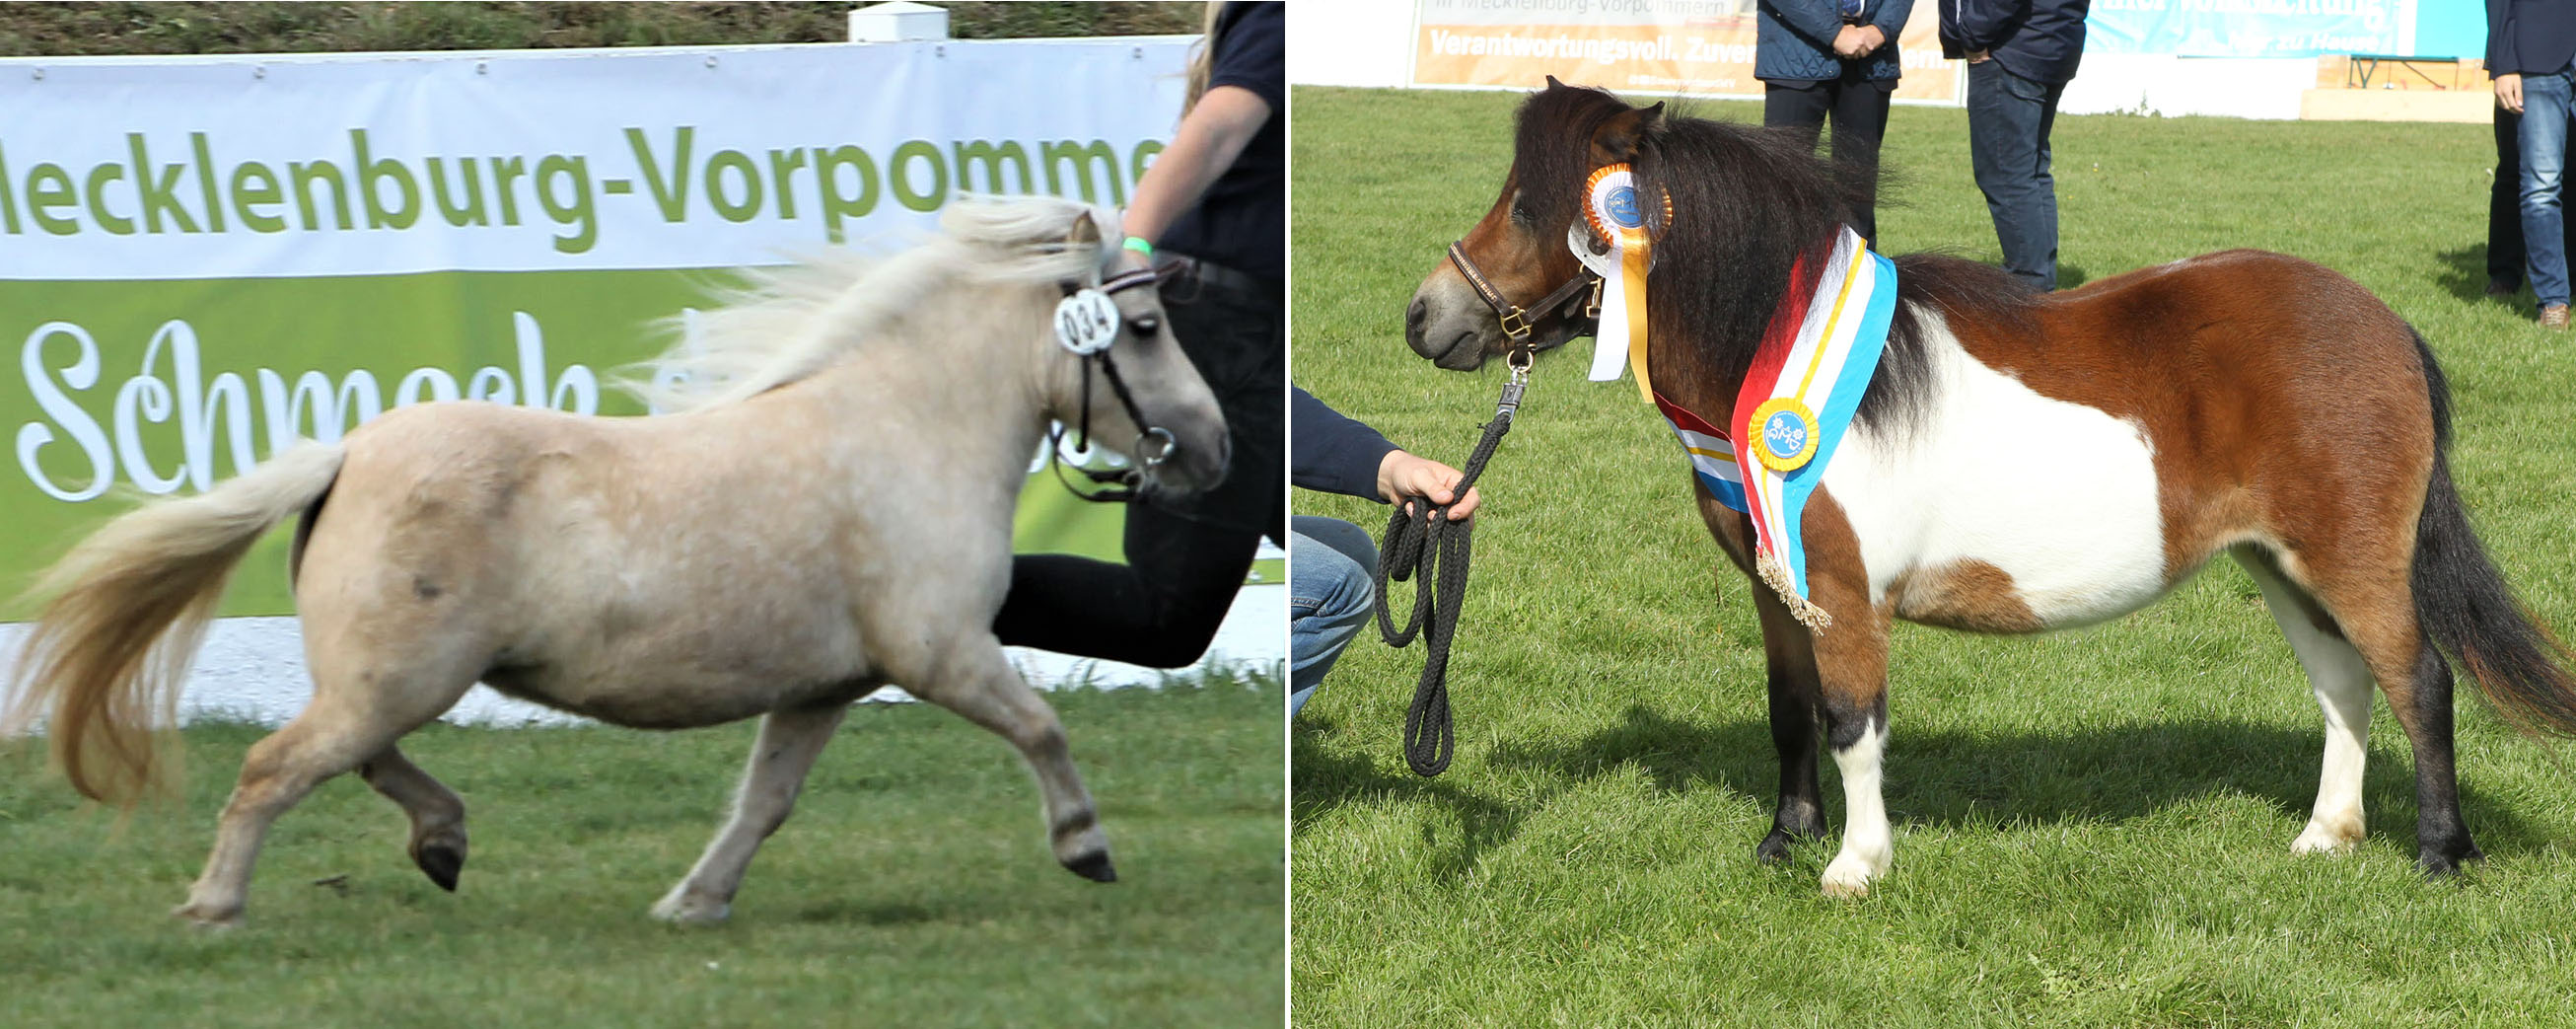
(1747, 203)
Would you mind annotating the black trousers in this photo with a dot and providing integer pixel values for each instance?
(1186, 555)
(1859, 112)
(2504, 205)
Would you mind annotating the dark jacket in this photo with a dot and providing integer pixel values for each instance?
(1241, 222)
(1793, 41)
(2529, 37)
(1330, 452)
(2039, 40)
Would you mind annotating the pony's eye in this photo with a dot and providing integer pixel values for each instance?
(1146, 326)
(1520, 209)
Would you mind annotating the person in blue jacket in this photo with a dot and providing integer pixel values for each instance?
(2020, 54)
(1332, 565)
(1837, 58)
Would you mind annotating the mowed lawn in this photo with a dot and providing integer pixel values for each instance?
(912, 887)
(2092, 828)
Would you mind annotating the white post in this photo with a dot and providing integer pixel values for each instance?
(898, 21)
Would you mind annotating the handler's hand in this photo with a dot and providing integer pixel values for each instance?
(1978, 56)
(1400, 474)
(2509, 91)
(1848, 43)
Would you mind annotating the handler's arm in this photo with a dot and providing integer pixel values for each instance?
(1813, 20)
(1206, 145)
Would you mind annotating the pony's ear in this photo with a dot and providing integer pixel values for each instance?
(1553, 84)
(1616, 140)
(1085, 230)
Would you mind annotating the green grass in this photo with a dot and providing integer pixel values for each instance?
(912, 887)
(2092, 828)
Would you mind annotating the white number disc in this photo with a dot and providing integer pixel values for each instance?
(1086, 322)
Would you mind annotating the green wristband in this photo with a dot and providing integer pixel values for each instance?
(1138, 244)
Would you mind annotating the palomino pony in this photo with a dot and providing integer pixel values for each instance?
(831, 513)
(2024, 462)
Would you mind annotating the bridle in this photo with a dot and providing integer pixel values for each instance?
(1517, 324)
(1154, 444)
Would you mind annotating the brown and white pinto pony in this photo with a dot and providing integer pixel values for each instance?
(2025, 462)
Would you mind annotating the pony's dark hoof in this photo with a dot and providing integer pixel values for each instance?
(441, 863)
(1774, 848)
(1094, 866)
(2438, 867)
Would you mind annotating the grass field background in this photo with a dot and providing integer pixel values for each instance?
(912, 887)
(2092, 828)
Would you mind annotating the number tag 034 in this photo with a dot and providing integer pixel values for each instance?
(1086, 322)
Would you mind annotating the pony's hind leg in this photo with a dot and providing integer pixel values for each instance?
(2341, 680)
(984, 688)
(2375, 608)
(437, 814)
(789, 742)
(347, 723)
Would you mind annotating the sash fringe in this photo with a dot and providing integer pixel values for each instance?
(1776, 575)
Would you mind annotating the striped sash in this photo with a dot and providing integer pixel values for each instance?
(1808, 375)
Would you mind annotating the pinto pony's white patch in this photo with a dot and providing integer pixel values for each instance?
(2060, 496)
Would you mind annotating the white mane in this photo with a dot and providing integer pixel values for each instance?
(787, 323)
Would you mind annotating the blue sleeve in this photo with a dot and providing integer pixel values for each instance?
(1328, 451)
(1890, 17)
(1814, 19)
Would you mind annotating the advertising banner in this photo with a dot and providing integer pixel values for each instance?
(2252, 28)
(202, 259)
(1698, 47)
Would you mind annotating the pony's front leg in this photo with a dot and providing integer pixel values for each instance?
(1790, 675)
(981, 685)
(789, 742)
(1851, 672)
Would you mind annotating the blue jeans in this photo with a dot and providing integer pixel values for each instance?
(2008, 122)
(1332, 590)
(2545, 101)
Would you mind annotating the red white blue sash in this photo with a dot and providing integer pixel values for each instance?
(1807, 378)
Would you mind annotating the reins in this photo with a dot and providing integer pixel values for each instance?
(1425, 546)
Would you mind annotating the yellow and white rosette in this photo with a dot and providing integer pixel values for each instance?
(1616, 215)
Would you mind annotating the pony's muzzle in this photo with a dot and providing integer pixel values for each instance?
(1447, 324)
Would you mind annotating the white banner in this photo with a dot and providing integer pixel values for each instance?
(227, 167)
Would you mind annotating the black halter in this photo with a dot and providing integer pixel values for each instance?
(1517, 322)
(1154, 444)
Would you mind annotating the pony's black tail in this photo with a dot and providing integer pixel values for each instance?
(2465, 606)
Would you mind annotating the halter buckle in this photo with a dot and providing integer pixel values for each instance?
(1516, 326)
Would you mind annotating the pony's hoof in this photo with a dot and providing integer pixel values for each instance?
(2319, 838)
(207, 916)
(691, 914)
(681, 909)
(1849, 876)
(2438, 866)
(1094, 866)
(1774, 848)
(441, 863)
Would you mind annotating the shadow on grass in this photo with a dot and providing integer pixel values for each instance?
(1948, 779)
(2464, 275)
